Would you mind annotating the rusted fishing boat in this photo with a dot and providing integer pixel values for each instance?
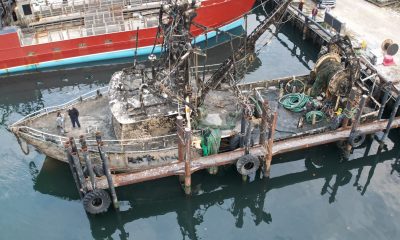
(173, 119)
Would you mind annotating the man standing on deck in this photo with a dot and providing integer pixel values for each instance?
(74, 115)
(301, 5)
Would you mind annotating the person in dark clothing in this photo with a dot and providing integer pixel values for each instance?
(301, 5)
(74, 115)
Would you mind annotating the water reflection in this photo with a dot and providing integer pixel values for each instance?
(226, 190)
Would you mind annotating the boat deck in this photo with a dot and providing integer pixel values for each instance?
(94, 115)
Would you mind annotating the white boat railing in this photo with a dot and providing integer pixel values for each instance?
(62, 8)
(47, 110)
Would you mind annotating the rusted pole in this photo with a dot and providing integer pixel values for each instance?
(305, 28)
(268, 155)
(180, 133)
(77, 164)
(188, 177)
(248, 137)
(264, 123)
(72, 167)
(243, 125)
(349, 104)
(383, 104)
(88, 162)
(359, 113)
(354, 126)
(106, 169)
(181, 145)
(392, 116)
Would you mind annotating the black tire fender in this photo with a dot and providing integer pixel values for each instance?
(247, 164)
(356, 139)
(96, 201)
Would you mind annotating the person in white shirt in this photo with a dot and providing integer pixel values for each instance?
(60, 123)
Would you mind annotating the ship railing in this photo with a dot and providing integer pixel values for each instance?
(138, 145)
(44, 111)
(81, 6)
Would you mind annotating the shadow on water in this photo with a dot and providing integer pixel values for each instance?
(226, 189)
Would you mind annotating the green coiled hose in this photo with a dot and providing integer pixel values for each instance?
(295, 102)
(319, 116)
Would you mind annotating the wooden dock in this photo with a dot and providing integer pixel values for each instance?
(279, 147)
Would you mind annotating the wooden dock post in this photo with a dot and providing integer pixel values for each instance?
(268, 147)
(383, 104)
(349, 104)
(392, 116)
(106, 169)
(187, 156)
(88, 162)
(181, 146)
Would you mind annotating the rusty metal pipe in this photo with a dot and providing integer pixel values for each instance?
(383, 104)
(107, 172)
(188, 159)
(72, 168)
(392, 116)
(88, 162)
(268, 155)
(349, 104)
(359, 113)
(264, 123)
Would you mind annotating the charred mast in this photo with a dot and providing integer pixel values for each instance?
(172, 76)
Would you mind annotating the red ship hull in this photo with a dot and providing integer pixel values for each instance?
(17, 58)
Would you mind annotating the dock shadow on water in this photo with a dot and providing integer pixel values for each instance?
(225, 193)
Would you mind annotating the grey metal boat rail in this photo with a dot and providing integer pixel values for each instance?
(140, 145)
(45, 111)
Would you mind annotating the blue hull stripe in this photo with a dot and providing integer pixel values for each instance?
(109, 55)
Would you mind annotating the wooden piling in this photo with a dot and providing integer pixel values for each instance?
(349, 104)
(392, 116)
(268, 147)
(187, 154)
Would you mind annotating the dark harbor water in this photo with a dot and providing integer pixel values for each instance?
(309, 196)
